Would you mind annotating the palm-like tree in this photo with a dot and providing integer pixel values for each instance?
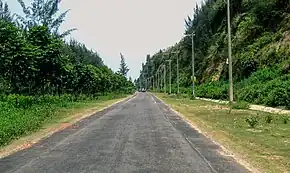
(43, 12)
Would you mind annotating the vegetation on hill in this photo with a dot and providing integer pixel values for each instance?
(261, 52)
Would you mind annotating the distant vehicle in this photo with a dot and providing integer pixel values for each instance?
(142, 90)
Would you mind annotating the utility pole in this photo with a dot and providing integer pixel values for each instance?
(177, 73)
(160, 77)
(158, 80)
(164, 66)
(231, 92)
(177, 70)
(193, 73)
(148, 78)
(169, 75)
(154, 82)
(144, 81)
(159, 73)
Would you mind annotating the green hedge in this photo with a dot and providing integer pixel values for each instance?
(213, 90)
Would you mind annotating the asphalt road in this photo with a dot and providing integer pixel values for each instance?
(139, 135)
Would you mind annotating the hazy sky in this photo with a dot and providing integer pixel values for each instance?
(133, 27)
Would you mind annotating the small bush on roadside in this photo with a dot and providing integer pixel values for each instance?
(285, 119)
(252, 121)
(269, 118)
(213, 90)
(262, 88)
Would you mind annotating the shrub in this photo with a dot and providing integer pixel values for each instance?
(262, 88)
(269, 118)
(252, 121)
(285, 119)
(213, 90)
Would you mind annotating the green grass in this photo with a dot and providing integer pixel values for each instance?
(265, 146)
(17, 119)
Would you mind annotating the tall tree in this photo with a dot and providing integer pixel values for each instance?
(123, 70)
(43, 12)
(4, 11)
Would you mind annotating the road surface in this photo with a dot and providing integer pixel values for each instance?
(138, 135)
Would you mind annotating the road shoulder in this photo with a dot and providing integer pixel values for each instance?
(263, 146)
(217, 156)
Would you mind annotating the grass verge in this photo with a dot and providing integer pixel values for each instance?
(266, 145)
(23, 127)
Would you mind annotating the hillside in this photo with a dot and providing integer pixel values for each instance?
(260, 45)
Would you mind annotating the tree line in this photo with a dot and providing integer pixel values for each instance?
(35, 59)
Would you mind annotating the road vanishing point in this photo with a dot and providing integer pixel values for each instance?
(138, 135)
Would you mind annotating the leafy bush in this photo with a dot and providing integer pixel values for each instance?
(260, 76)
(269, 118)
(285, 119)
(252, 121)
(272, 93)
(213, 90)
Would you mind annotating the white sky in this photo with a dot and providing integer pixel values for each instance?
(133, 27)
